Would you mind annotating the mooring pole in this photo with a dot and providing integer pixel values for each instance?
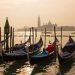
(4, 41)
(30, 36)
(35, 34)
(13, 38)
(1, 46)
(25, 35)
(61, 38)
(10, 37)
(0, 33)
(45, 39)
(55, 34)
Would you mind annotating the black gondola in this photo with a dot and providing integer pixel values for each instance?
(68, 52)
(47, 55)
(22, 54)
(70, 45)
(56, 41)
(42, 57)
(20, 46)
(36, 48)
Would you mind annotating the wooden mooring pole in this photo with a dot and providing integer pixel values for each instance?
(55, 34)
(4, 38)
(0, 33)
(10, 37)
(1, 46)
(30, 36)
(45, 39)
(13, 38)
(25, 35)
(35, 34)
(61, 38)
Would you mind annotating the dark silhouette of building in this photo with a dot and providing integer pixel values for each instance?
(50, 26)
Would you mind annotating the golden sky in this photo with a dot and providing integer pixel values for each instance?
(25, 12)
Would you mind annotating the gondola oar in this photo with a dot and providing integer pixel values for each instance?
(60, 72)
(56, 51)
(27, 50)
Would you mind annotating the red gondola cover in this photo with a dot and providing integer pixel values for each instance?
(51, 48)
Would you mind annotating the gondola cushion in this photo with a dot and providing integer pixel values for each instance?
(51, 48)
(36, 47)
(63, 54)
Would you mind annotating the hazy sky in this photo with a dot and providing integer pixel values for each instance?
(25, 12)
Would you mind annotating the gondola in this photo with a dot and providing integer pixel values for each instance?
(47, 55)
(70, 45)
(15, 55)
(42, 57)
(22, 54)
(67, 53)
(56, 41)
(20, 46)
(36, 48)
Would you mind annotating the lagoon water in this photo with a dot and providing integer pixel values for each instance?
(24, 68)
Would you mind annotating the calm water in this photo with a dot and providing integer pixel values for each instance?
(24, 68)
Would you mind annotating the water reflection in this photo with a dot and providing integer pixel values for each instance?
(25, 70)
(65, 68)
(22, 67)
(44, 68)
(12, 69)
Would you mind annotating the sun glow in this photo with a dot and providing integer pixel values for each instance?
(25, 12)
(19, 2)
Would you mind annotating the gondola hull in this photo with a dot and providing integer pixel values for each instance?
(67, 59)
(15, 55)
(67, 53)
(36, 60)
(11, 58)
(22, 54)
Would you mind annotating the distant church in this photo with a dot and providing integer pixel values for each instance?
(49, 26)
